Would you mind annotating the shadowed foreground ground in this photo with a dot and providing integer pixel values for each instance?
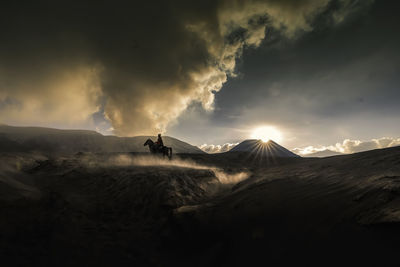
(103, 210)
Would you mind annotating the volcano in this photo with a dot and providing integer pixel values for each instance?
(263, 149)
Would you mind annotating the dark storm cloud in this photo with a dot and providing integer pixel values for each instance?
(144, 63)
(328, 85)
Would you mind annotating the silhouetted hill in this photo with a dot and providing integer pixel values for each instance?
(9, 145)
(25, 139)
(263, 149)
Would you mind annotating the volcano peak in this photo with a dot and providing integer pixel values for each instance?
(263, 149)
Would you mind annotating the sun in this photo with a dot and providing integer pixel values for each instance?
(266, 133)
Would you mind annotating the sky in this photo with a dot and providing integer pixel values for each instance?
(323, 73)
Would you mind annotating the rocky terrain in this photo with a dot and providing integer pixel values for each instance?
(229, 209)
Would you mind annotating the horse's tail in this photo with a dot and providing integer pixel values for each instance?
(170, 152)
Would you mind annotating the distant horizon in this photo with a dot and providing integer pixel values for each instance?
(342, 148)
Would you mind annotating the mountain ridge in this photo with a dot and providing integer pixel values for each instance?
(42, 139)
(324, 153)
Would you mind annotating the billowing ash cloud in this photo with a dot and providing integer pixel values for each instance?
(351, 146)
(142, 63)
(217, 148)
(67, 97)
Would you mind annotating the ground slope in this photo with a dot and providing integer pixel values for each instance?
(342, 210)
(115, 209)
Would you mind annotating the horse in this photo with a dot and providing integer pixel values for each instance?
(166, 151)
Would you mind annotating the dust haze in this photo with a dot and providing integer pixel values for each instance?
(153, 161)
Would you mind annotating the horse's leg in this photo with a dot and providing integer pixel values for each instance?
(170, 152)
